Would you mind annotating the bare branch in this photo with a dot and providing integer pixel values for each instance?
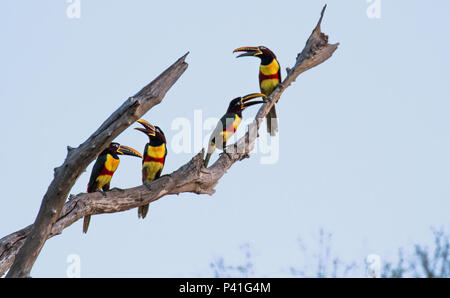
(79, 158)
(191, 177)
(316, 51)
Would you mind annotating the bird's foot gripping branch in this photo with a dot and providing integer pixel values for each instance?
(19, 250)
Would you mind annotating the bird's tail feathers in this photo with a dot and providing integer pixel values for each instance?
(86, 221)
(208, 156)
(142, 211)
(272, 122)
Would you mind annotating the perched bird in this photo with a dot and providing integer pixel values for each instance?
(229, 123)
(155, 153)
(269, 78)
(103, 170)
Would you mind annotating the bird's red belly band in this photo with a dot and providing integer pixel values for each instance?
(232, 128)
(106, 172)
(154, 159)
(263, 77)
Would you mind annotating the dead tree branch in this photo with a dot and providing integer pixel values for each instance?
(316, 51)
(79, 158)
(191, 177)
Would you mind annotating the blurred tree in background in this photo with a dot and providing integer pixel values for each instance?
(421, 261)
(424, 261)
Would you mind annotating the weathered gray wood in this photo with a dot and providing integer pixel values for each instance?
(79, 158)
(191, 177)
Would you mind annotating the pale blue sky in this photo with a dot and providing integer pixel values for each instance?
(364, 137)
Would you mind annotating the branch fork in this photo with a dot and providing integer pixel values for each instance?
(19, 250)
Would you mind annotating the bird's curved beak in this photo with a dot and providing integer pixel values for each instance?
(248, 51)
(148, 129)
(125, 150)
(246, 99)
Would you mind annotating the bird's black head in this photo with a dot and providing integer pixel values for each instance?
(159, 136)
(116, 149)
(265, 54)
(155, 133)
(238, 104)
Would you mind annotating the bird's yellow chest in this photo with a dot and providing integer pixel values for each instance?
(153, 162)
(269, 77)
(111, 163)
(156, 151)
(150, 170)
(267, 86)
(271, 68)
(229, 131)
(110, 167)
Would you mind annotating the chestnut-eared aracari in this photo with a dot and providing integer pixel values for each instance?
(103, 170)
(155, 153)
(269, 78)
(229, 123)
